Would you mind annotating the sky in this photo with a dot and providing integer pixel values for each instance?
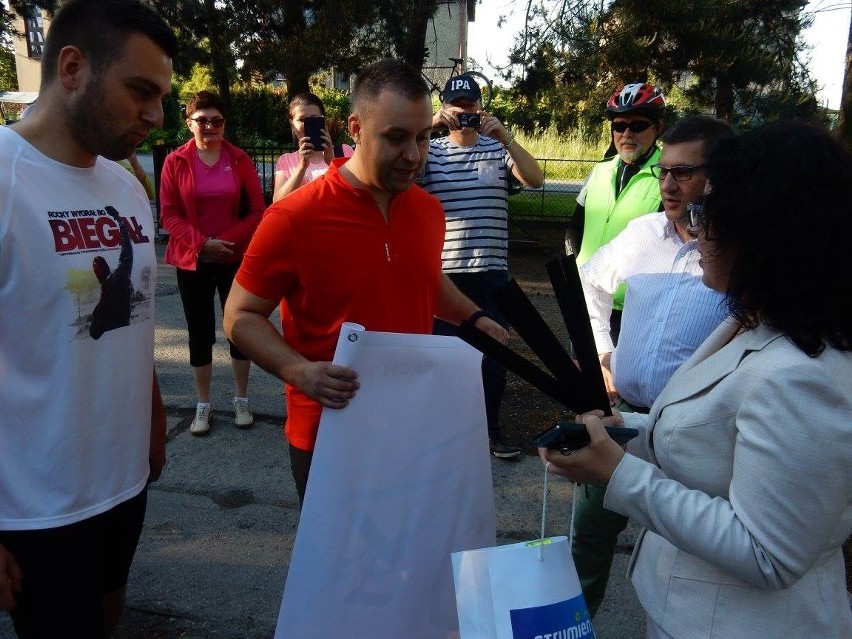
(827, 36)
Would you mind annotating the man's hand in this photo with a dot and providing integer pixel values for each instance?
(492, 329)
(493, 128)
(609, 382)
(330, 385)
(447, 118)
(11, 577)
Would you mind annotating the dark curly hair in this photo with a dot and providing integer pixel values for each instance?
(779, 202)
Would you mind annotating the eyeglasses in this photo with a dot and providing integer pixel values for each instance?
(682, 173)
(697, 217)
(216, 123)
(635, 126)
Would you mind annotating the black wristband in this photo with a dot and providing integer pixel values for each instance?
(476, 315)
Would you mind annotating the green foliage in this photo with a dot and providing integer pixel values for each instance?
(8, 75)
(258, 115)
(739, 60)
(294, 38)
(337, 110)
(547, 207)
(200, 79)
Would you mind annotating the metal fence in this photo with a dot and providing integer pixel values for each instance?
(553, 202)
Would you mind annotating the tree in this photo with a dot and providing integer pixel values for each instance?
(844, 124)
(295, 38)
(8, 75)
(741, 59)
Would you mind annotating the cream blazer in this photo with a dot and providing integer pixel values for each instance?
(742, 478)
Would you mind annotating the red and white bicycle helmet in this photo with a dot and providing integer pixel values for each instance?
(637, 99)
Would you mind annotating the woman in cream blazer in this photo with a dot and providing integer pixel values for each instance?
(742, 473)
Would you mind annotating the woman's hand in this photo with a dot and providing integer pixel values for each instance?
(595, 463)
(215, 250)
(306, 151)
(327, 146)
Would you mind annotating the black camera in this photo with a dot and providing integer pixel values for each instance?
(469, 120)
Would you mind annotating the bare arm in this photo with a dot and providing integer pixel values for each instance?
(10, 579)
(609, 381)
(157, 447)
(141, 175)
(526, 168)
(284, 186)
(247, 325)
(453, 306)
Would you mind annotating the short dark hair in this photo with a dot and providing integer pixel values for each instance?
(388, 74)
(779, 204)
(697, 128)
(204, 100)
(304, 99)
(99, 28)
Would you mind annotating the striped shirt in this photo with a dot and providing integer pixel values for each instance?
(668, 311)
(471, 183)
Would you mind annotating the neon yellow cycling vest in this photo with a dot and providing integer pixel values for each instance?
(607, 215)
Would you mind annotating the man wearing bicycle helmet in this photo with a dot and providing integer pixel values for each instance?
(620, 188)
(468, 171)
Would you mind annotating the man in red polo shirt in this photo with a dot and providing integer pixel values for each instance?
(362, 244)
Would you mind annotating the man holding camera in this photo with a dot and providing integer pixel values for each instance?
(468, 171)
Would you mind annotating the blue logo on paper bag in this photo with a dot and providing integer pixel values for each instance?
(563, 620)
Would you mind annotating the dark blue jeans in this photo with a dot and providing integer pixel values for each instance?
(478, 286)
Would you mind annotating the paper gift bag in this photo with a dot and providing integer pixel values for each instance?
(528, 590)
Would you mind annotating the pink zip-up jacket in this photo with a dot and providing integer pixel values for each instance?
(179, 215)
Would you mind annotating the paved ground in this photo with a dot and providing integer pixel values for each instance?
(221, 521)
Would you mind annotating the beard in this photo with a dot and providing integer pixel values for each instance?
(89, 123)
(633, 156)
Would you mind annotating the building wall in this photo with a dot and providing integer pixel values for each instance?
(28, 51)
(446, 37)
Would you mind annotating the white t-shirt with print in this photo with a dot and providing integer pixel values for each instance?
(76, 349)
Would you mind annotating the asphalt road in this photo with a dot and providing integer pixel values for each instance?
(222, 519)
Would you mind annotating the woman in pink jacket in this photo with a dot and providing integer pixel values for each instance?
(211, 202)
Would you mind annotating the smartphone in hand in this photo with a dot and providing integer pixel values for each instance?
(571, 436)
(313, 126)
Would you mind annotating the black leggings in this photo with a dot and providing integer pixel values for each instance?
(198, 292)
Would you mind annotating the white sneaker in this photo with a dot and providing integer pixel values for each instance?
(201, 424)
(242, 415)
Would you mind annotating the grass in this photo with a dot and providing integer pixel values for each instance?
(563, 157)
(556, 207)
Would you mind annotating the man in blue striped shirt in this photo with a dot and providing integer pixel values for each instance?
(468, 170)
(668, 313)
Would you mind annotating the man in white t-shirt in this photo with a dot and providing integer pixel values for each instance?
(82, 423)
(469, 170)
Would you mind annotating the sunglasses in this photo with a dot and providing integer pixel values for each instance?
(682, 173)
(697, 217)
(635, 126)
(216, 123)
